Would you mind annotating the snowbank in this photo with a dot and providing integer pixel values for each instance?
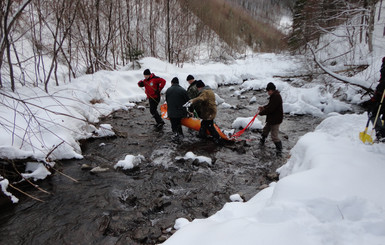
(329, 192)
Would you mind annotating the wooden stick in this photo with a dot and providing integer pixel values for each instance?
(35, 198)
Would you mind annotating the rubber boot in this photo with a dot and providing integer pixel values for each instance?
(262, 141)
(278, 145)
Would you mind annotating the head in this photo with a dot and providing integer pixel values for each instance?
(147, 73)
(190, 79)
(200, 85)
(270, 88)
(175, 80)
(383, 60)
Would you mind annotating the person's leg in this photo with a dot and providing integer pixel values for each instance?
(154, 110)
(203, 129)
(210, 126)
(174, 125)
(275, 138)
(265, 132)
(179, 127)
(176, 129)
(380, 129)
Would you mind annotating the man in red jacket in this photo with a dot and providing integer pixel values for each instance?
(153, 85)
(274, 117)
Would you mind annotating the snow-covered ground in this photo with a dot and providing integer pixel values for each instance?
(329, 192)
(330, 189)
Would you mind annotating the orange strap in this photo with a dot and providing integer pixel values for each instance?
(236, 135)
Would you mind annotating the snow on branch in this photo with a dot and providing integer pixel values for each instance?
(344, 79)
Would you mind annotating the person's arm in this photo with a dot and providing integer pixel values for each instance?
(271, 107)
(161, 84)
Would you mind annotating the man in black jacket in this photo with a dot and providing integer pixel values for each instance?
(375, 106)
(176, 97)
(274, 117)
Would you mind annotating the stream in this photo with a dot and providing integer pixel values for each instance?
(140, 205)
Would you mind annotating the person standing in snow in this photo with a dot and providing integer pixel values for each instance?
(375, 104)
(193, 92)
(192, 89)
(208, 111)
(176, 97)
(274, 117)
(153, 85)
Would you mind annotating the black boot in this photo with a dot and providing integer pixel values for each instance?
(278, 145)
(262, 141)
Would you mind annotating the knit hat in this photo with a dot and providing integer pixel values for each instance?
(199, 84)
(270, 86)
(189, 77)
(147, 72)
(175, 80)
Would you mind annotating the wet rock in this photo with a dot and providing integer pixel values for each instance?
(99, 170)
(273, 176)
(264, 186)
(162, 238)
(85, 167)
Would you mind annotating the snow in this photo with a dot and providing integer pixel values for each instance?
(4, 185)
(191, 155)
(330, 190)
(236, 198)
(241, 122)
(179, 223)
(37, 171)
(129, 162)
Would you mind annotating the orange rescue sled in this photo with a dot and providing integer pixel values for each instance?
(190, 122)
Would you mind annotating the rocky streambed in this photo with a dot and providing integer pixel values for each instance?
(140, 205)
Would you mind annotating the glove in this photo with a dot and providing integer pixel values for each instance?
(188, 104)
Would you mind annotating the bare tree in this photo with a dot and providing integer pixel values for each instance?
(9, 17)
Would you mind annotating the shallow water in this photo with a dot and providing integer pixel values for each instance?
(139, 206)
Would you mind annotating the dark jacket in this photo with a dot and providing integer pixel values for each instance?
(176, 97)
(377, 98)
(274, 109)
(192, 90)
(207, 106)
(153, 85)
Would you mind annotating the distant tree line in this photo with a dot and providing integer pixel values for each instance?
(270, 11)
(314, 18)
(40, 40)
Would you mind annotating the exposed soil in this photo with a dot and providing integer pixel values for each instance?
(140, 205)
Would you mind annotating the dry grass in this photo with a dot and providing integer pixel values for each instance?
(235, 25)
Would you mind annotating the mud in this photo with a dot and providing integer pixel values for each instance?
(140, 205)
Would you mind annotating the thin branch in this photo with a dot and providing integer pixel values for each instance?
(36, 186)
(35, 198)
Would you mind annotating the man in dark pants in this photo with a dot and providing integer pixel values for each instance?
(176, 97)
(375, 106)
(153, 85)
(208, 111)
(274, 117)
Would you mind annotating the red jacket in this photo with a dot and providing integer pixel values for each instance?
(153, 85)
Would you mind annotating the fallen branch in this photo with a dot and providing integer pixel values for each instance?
(50, 152)
(64, 174)
(336, 76)
(35, 198)
(36, 186)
